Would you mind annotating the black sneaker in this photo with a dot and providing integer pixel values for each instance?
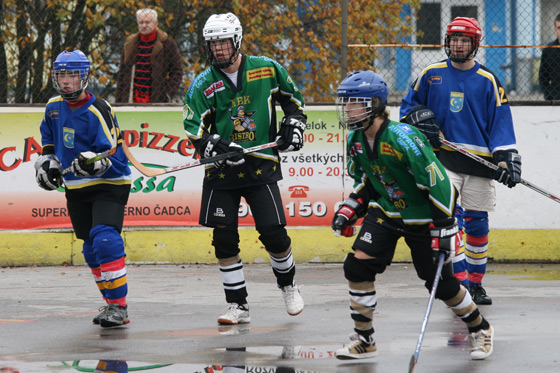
(101, 313)
(114, 315)
(478, 295)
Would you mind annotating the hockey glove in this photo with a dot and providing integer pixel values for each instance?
(82, 168)
(509, 172)
(425, 120)
(216, 145)
(346, 216)
(445, 240)
(290, 134)
(48, 171)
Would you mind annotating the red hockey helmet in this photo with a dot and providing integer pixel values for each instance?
(463, 26)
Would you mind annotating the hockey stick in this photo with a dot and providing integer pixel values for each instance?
(150, 172)
(496, 167)
(414, 358)
(98, 157)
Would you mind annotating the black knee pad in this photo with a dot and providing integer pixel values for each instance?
(448, 285)
(274, 238)
(360, 270)
(226, 242)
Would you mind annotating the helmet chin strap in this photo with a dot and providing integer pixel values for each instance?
(225, 64)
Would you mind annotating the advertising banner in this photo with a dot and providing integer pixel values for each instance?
(313, 184)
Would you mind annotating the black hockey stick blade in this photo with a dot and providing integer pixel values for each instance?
(414, 358)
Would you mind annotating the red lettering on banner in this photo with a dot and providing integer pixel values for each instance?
(4, 166)
(31, 147)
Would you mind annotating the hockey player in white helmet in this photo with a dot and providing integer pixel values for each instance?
(248, 87)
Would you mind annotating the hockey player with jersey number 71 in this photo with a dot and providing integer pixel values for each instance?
(405, 191)
(76, 126)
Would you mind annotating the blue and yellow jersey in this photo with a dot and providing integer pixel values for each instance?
(91, 127)
(472, 109)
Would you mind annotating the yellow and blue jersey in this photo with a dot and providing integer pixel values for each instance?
(67, 132)
(472, 109)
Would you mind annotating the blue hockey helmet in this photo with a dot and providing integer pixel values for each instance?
(362, 96)
(73, 63)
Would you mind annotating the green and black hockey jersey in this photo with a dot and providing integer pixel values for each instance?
(409, 181)
(244, 114)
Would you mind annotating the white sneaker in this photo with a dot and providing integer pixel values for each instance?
(292, 299)
(357, 350)
(235, 314)
(482, 343)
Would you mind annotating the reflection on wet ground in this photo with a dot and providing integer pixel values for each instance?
(45, 323)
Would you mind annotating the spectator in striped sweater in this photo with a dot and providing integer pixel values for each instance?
(151, 68)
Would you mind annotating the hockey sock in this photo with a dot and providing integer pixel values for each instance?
(233, 279)
(476, 229)
(99, 281)
(115, 282)
(363, 300)
(283, 267)
(463, 306)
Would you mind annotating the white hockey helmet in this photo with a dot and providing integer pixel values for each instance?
(220, 27)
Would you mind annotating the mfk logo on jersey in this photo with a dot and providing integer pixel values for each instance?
(456, 101)
(214, 87)
(356, 149)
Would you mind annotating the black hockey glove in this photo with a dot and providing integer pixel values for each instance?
(346, 215)
(85, 169)
(215, 145)
(445, 239)
(425, 120)
(509, 162)
(291, 134)
(48, 172)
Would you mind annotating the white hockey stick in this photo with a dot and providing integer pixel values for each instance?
(496, 167)
(414, 358)
(150, 172)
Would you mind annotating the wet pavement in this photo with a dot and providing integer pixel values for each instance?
(46, 312)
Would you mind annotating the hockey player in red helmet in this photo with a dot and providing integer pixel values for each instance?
(470, 107)
(466, 28)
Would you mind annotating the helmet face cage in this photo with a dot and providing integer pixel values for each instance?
(221, 27)
(362, 96)
(71, 65)
(462, 26)
(354, 112)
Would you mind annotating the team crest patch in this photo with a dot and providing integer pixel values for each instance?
(244, 125)
(456, 101)
(68, 137)
(214, 87)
